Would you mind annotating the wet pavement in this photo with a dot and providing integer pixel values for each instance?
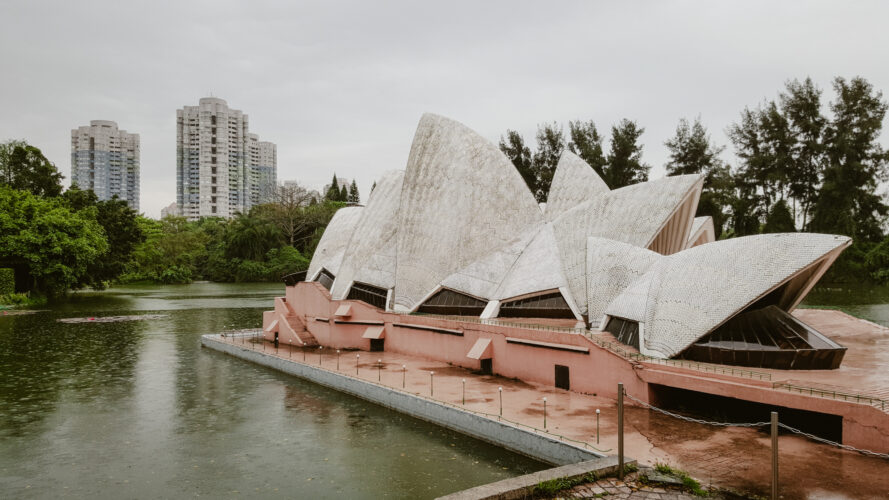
(732, 457)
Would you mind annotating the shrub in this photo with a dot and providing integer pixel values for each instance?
(7, 281)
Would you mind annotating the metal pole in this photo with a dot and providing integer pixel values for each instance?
(379, 370)
(501, 400)
(620, 431)
(431, 374)
(774, 455)
(319, 354)
(357, 359)
(403, 375)
(337, 360)
(464, 391)
(544, 412)
(597, 426)
(304, 351)
(290, 348)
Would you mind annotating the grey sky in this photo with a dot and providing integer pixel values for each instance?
(340, 86)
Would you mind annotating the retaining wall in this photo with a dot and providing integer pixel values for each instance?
(537, 446)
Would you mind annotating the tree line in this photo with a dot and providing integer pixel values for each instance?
(802, 165)
(56, 240)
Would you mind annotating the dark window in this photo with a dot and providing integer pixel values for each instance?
(487, 366)
(326, 278)
(562, 378)
(768, 338)
(626, 331)
(376, 345)
(373, 295)
(550, 305)
(450, 302)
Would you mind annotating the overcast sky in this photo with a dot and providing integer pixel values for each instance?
(340, 86)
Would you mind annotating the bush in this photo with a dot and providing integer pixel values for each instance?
(7, 281)
(176, 275)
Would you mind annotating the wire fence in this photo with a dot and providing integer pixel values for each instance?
(255, 337)
(756, 424)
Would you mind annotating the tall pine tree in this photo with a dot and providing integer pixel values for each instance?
(353, 193)
(550, 144)
(513, 146)
(625, 165)
(586, 142)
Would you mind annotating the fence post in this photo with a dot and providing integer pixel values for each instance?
(774, 455)
(620, 431)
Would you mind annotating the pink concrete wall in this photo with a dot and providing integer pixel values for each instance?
(598, 372)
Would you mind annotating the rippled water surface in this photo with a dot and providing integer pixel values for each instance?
(138, 409)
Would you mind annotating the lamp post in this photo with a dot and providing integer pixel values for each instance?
(304, 350)
(379, 370)
(431, 374)
(403, 375)
(337, 360)
(501, 400)
(464, 392)
(597, 426)
(319, 354)
(544, 412)
(357, 359)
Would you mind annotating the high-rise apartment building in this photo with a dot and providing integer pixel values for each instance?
(105, 159)
(221, 168)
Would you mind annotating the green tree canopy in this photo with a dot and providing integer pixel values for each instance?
(586, 142)
(513, 146)
(625, 165)
(550, 144)
(24, 167)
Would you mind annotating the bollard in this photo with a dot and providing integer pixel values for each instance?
(597, 426)
(403, 375)
(379, 370)
(774, 455)
(357, 359)
(464, 391)
(544, 412)
(431, 374)
(620, 431)
(337, 360)
(500, 389)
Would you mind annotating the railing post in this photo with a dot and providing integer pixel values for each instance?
(774, 455)
(620, 431)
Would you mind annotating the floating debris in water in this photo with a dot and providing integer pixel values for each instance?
(111, 319)
(8, 312)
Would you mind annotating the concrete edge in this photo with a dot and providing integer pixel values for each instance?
(523, 486)
(537, 446)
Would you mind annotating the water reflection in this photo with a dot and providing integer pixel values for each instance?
(138, 409)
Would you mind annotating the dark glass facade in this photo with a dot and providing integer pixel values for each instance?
(624, 330)
(326, 278)
(373, 295)
(550, 305)
(450, 302)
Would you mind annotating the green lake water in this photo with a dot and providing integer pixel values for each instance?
(139, 410)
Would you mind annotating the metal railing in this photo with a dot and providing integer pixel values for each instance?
(620, 350)
(880, 404)
(255, 337)
(497, 322)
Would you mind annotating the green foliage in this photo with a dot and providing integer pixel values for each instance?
(550, 144)
(53, 244)
(513, 146)
(779, 220)
(7, 281)
(354, 196)
(625, 165)
(25, 168)
(690, 484)
(22, 299)
(586, 142)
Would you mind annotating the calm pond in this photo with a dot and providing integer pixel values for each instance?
(138, 410)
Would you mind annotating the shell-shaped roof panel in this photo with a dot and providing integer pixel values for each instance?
(461, 198)
(612, 266)
(370, 256)
(633, 214)
(574, 182)
(538, 268)
(330, 250)
(690, 293)
(482, 277)
(702, 231)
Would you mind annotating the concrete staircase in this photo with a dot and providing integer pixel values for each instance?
(292, 326)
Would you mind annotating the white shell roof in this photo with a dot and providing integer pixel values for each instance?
(684, 296)
(461, 199)
(574, 182)
(330, 250)
(370, 255)
(633, 214)
(612, 266)
(702, 231)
